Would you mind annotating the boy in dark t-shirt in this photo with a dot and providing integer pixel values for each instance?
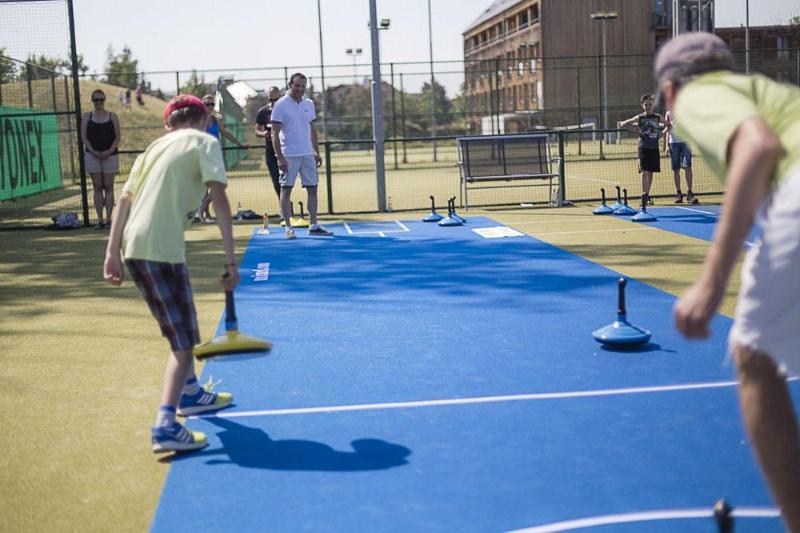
(264, 130)
(648, 126)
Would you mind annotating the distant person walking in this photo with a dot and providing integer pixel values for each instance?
(264, 130)
(101, 137)
(294, 139)
(139, 93)
(128, 99)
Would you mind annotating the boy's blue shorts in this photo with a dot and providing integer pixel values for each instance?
(168, 293)
(681, 155)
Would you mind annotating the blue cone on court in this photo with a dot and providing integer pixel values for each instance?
(643, 215)
(434, 216)
(621, 333)
(618, 203)
(451, 210)
(450, 221)
(603, 209)
(625, 210)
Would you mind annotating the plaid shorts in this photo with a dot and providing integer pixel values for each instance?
(168, 293)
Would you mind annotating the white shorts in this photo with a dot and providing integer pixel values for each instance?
(107, 166)
(305, 165)
(768, 309)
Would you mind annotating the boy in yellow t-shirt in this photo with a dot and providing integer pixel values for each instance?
(747, 129)
(157, 204)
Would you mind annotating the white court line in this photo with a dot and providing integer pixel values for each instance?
(648, 516)
(648, 228)
(477, 400)
(403, 228)
(710, 213)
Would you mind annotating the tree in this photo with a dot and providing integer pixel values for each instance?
(795, 20)
(196, 85)
(8, 68)
(122, 68)
(42, 67)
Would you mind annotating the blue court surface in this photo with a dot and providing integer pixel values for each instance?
(430, 379)
(696, 221)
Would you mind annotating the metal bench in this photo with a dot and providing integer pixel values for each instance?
(509, 158)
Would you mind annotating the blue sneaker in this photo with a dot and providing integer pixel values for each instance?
(176, 438)
(205, 400)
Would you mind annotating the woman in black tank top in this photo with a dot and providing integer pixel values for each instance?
(101, 137)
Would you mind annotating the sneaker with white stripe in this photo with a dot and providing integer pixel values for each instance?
(205, 400)
(176, 438)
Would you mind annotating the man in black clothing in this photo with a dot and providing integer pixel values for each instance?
(264, 130)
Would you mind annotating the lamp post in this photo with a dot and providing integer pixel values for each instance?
(377, 108)
(747, 36)
(433, 92)
(322, 74)
(355, 52)
(603, 16)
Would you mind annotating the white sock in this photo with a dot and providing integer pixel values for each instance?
(314, 226)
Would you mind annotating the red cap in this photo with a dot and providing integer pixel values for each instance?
(181, 101)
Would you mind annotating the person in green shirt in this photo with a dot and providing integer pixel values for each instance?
(747, 128)
(157, 204)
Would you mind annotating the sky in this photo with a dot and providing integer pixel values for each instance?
(169, 35)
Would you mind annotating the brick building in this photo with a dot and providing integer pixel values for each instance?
(530, 63)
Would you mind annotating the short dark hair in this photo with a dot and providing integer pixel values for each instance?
(295, 76)
(185, 115)
(647, 96)
(98, 91)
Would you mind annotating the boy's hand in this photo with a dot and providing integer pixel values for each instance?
(112, 270)
(318, 159)
(282, 163)
(694, 310)
(230, 279)
(667, 150)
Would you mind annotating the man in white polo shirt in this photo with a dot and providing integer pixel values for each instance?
(294, 138)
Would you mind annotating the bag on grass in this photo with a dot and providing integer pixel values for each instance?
(65, 221)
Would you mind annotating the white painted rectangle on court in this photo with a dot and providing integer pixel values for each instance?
(261, 273)
(497, 232)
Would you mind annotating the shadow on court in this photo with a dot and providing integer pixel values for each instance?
(249, 447)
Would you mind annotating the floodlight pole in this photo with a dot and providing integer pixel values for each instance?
(377, 107)
(603, 17)
(433, 92)
(747, 36)
(322, 76)
(76, 94)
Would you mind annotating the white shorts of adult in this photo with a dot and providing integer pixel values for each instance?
(305, 165)
(768, 309)
(95, 165)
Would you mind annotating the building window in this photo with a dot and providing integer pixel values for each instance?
(782, 44)
(535, 12)
(523, 18)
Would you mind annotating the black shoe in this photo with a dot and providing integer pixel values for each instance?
(678, 198)
(691, 199)
(319, 230)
